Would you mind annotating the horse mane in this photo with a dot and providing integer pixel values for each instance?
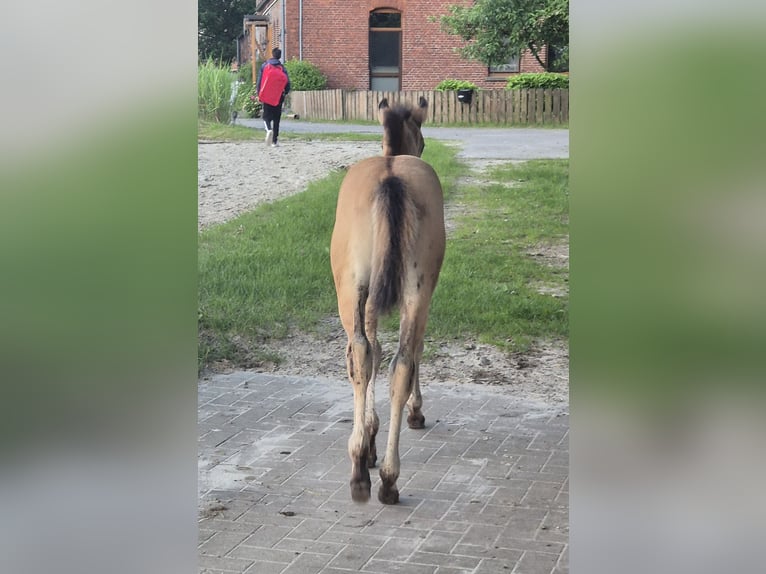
(393, 126)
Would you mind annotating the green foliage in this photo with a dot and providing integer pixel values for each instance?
(449, 84)
(251, 105)
(214, 84)
(496, 30)
(304, 76)
(558, 58)
(245, 72)
(219, 22)
(546, 80)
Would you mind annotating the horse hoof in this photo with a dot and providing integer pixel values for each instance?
(388, 495)
(417, 421)
(372, 461)
(360, 491)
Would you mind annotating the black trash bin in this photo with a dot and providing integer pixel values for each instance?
(465, 96)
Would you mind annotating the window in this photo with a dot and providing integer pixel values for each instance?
(558, 59)
(512, 65)
(381, 19)
(385, 50)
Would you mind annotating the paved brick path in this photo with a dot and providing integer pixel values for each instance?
(484, 488)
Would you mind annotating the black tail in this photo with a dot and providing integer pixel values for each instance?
(393, 240)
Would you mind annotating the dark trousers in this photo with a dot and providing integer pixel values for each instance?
(271, 117)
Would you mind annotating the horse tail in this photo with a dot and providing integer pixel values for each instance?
(394, 231)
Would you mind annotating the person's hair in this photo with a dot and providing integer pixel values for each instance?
(276, 53)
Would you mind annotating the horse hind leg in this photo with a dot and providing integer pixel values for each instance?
(403, 372)
(359, 359)
(371, 420)
(415, 419)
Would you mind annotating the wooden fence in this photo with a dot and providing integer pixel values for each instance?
(499, 107)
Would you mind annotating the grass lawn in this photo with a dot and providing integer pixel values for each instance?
(493, 287)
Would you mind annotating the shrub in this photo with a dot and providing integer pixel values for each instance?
(545, 80)
(446, 85)
(245, 72)
(250, 103)
(304, 76)
(214, 91)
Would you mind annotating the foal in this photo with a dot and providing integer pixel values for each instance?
(386, 252)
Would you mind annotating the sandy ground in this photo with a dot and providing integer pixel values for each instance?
(235, 177)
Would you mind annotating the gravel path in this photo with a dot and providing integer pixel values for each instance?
(235, 177)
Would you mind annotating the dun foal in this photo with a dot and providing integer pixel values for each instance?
(386, 252)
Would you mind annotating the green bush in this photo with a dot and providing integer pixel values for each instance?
(304, 76)
(250, 103)
(214, 91)
(245, 72)
(545, 80)
(449, 84)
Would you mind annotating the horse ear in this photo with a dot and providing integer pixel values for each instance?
(419, 114)
(382, 107)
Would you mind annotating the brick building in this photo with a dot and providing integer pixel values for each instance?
(377, 44)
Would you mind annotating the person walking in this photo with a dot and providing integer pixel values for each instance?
(272, 87)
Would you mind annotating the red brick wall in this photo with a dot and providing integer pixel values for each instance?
(335, 38)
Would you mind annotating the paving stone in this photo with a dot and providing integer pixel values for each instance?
(541, 494)
(222, 543)
(425, 479)
(442, 542)
(536, 563)
(494, 566)
(257, 554)
(448, 570)
(267, 536)
(224, 563)
(439, 559)
(311, 546)
(478, 494)
(398, 549)
(480, 535)
(263, 567)
(387, 567)
(431, 509)
(352, 557)
(307, 564)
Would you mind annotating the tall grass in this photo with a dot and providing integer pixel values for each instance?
(214, 91)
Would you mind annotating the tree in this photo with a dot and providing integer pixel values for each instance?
(218, 25)
(496, 30)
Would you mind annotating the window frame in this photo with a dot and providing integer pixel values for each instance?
(398, 30)
(494, 71)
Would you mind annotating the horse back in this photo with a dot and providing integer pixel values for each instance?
(420, 180)
(354, 212)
